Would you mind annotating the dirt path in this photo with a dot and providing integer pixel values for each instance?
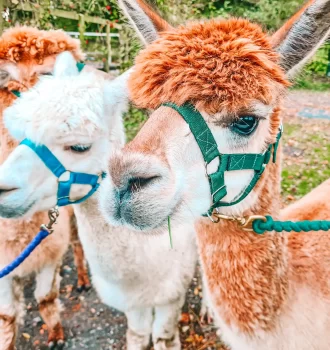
(89, 324)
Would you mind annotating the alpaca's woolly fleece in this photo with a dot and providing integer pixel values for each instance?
(26, 53)
(26, 44)
(215, 65)
(83, 109)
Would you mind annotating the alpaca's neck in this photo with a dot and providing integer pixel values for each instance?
(246, 273)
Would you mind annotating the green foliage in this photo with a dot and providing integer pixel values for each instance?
(133, 120)
(320, 61)
(269, 13)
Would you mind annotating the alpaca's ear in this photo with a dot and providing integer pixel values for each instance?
(307, 34)
(65, 65)
(146, 22)
(116, 95)
(8, 71)
(4, 78)
(283, 31)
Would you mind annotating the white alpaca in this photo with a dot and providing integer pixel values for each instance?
(79, 118)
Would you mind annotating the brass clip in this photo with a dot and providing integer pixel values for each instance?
(247, 221)
(244, 222)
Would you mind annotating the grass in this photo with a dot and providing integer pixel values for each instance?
(306, 157)
(315, 83)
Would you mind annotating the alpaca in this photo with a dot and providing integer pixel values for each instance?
(79, 118)
(267, 291)
(26, 53)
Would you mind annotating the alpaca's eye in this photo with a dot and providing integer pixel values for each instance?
(245, 125)
(80, 148)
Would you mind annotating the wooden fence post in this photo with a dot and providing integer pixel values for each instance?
(82, 30)
(109, 53)
(2, 5)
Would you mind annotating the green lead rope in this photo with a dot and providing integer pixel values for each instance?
(260, 226)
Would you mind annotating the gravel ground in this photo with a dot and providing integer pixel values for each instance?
(90, 324)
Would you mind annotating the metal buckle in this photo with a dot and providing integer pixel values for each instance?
(215, 221)
(53, 215)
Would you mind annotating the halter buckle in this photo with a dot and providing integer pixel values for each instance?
(211, 217)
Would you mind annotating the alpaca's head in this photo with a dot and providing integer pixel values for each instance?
(27, 53)
(234, 77)
(77, 116)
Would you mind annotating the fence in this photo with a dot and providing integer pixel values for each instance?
(82, 19)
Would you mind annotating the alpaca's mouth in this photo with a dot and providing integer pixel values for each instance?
(10, 212)
(6, 191)
(155, 222)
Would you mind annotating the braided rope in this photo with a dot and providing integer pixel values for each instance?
(25, 253)
(260, 226)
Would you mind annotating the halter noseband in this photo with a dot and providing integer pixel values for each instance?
(57, 168)
(227, 162)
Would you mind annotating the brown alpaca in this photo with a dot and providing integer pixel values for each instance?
(266, 292)
(26, 53)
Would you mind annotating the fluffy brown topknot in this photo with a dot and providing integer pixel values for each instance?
(21, 44)
(214, 65)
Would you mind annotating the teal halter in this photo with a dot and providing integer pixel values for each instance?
(64, 186)
(227, 162)
(56, 167)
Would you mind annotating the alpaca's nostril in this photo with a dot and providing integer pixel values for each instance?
(137, 183)
(134, 185)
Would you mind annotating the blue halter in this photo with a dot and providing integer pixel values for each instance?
(57, 168)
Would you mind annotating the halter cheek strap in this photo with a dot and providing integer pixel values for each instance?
(56, 167)
(227, 162)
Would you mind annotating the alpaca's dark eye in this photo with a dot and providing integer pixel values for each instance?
(245, 125)
(80, 148)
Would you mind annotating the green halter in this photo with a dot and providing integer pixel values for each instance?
(227, 162)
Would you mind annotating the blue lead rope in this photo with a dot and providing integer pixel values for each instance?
(25, 253)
